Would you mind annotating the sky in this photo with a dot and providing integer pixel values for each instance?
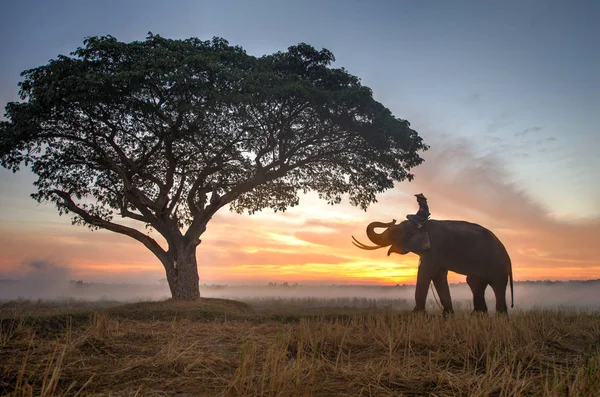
(507, 95)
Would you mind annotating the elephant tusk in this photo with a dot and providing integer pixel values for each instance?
(359, 244)
(363, 246)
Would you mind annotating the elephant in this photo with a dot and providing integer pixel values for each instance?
(462, 247)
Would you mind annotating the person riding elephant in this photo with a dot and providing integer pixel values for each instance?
(422, 214)
(420, 218)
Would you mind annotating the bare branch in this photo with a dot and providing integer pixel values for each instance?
(149, 242)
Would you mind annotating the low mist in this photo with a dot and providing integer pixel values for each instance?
(45, 284)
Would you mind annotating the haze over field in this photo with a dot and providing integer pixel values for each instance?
(505, 94)
(50, 282)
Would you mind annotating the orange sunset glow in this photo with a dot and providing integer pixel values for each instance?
(311, 243)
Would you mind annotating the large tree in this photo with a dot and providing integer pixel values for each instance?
(167, 132)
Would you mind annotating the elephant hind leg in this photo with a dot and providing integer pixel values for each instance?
(478, 287)
(500, 292)
(440, 281)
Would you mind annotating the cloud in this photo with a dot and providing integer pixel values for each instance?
(38, 278)
(504, 120)
(463, 185)
(529, 130)
(44, 270)
(545, 140)
(492, 139)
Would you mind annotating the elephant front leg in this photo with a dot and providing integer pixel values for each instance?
(423, 281)
(440, 281)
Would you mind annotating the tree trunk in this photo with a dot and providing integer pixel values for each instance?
(182, 273)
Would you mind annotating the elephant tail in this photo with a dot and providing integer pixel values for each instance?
(512, 297)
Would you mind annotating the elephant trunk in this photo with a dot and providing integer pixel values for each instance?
(381, 239)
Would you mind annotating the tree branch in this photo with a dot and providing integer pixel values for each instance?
(198, 188)
(125, 213)
(122, 156)
(177, 196)
(149, 242)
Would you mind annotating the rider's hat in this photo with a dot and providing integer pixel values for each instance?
(420, 195)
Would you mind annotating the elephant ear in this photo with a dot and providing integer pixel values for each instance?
(418, 242)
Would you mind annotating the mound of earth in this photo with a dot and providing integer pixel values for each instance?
(202, 309)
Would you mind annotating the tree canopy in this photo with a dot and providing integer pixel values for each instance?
(166, 132)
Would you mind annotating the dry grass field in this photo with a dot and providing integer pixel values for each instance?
(218, 347)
